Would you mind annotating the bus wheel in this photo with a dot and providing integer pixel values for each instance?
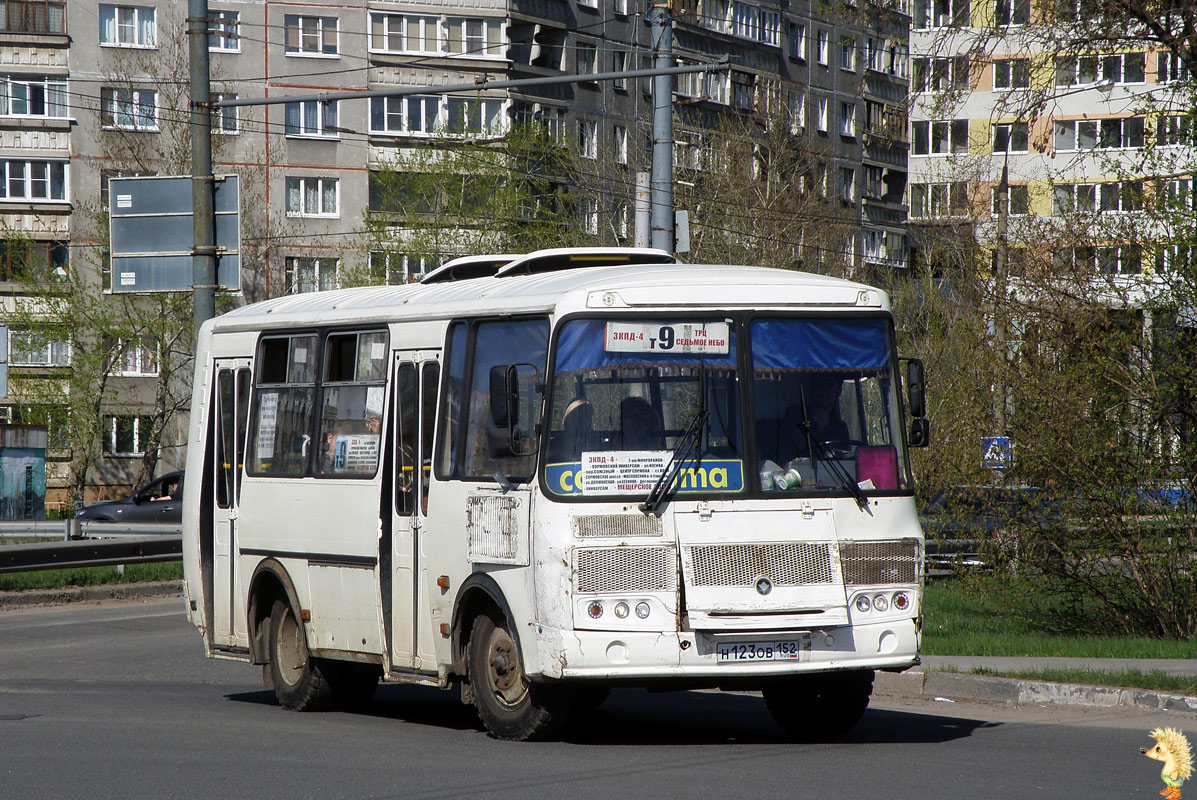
(512, 707)
(820, 707)
(300, 683)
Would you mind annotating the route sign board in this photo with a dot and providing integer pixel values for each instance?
(151, 233)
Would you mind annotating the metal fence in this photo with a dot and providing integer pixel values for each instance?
(86, 544)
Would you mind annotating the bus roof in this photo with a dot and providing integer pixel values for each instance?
(627, 287)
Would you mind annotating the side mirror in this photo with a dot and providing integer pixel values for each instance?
(512, 386)
(920, 432)
(916, 393)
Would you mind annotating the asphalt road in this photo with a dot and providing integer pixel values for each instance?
(116, 700)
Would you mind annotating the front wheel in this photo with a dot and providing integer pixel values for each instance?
(820, 707)
(299, 681)
(512, 707)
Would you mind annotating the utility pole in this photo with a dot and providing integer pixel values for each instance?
(203, 253)
(661, 21)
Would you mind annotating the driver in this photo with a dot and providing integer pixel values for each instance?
(822, 396)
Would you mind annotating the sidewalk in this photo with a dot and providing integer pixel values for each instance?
(930, 682)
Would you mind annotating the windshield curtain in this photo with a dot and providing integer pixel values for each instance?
(620, 406)
(825, 410)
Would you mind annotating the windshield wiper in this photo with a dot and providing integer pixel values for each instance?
(686, 444)
(819, 450)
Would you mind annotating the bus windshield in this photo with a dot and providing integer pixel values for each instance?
(820, 413)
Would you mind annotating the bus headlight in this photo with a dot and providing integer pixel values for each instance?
(901, 601)
(881, 603)
(595, 609)
(863, 604)
(621, 610)
(643, 609)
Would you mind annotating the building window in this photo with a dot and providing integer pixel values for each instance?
(310, 36)
(1010, 137)
(126, 435)
(821, 45)
(619, 63)
(848, 119)
(796, 108)
(33, 180)
(434, 115)
(938, 138)
(1012, 73)
(848, 53)
(587, 58)
(1012, 12)
(940, 74)
(223, 34)
(770, 33)
(224, 118)
(821, 114)
(745, 20)
(310, 274)
(1123, 68)
(393, 268)
(1174, 129)
(848, 184)
(1105, 134)
(312, 118)
(32, 348)
(588, 138)
(621, 144)
(23, 259)
(1017, 198)
(621, 7)
(1112, 196)
(941, 14)
(474, 37)
(743, 91)
(1171, 68)
(798, 41)
(127, 26)
(32, 16)
(933, 200)
(312, 197)
(33, 97)
(129, 109)
(134, 359)
(588, 209)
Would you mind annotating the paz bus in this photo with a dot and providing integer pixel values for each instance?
(539, 477)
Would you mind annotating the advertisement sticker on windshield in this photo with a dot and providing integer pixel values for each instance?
(670, 337)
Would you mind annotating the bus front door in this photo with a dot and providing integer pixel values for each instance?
(232, 410)
(417, 376)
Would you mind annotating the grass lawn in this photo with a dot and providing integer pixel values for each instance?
(90, 576)
(1153, 680)
(980, 615)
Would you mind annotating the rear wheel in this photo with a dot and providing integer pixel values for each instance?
(820, 707)
(300, 681)
(512, 707)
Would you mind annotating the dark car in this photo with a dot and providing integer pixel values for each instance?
(160, 500)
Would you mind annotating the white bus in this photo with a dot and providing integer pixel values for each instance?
(548, 475)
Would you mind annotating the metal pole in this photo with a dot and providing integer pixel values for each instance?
(203, 253)
(1001, 278)
(662, 167)
(643, 206)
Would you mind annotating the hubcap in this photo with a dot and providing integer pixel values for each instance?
(505, 673)
(292, 650)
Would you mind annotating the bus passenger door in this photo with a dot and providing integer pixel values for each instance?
(417, 376)
(231, 410)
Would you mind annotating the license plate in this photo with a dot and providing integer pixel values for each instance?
(741, 652)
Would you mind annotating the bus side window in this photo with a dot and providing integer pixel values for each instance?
(224, 457)
(450, 406)
(407, 400)
(432, 379)
(283, 404)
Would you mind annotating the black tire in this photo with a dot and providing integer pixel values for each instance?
(511, 706)
(820, 707)
(300, 681)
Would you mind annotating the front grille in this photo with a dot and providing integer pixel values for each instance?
(625, 569)
(788, 564)
(871, 563)
(619, 526)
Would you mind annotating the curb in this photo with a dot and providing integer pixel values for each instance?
(90, 594)
(1017, 691)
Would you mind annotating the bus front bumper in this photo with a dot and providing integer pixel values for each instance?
(632, 655)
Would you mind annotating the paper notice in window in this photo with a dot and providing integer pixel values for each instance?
(267, 425)
(356, 453)
(631, 471)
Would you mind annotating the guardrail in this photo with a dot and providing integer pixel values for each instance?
(88, 544)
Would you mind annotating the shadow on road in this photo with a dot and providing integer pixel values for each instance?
(637, 716)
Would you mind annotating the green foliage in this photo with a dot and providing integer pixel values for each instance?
(91, 576)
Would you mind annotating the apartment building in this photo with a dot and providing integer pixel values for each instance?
(95, 92)
(1087, 139)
